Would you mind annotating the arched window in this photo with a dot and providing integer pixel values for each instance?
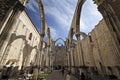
(90, 37)
(30, 36)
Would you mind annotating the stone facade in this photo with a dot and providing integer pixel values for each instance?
(9, 12)
(60, 56)
(111, 14)
(21, 47)
(100, 51)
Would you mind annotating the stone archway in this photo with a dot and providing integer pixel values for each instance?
(13, 38)
(59, 54)
(61, 40)
(26, 54)
(23, 48)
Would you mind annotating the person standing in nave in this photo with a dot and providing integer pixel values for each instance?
(82, 76)
(68, 76)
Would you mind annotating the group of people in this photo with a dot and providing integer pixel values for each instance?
(69, 76)
(6, 72)
(28, 73)
(12, 72)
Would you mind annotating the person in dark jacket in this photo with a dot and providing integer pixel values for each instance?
(82, 76)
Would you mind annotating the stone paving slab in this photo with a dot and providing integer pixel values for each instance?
(56, 75)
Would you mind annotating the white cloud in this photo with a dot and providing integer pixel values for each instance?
(82, 25)
(32, 5)
(93, 9)
(60, 18)
(60, 13)
(54, 33)
(90, 16)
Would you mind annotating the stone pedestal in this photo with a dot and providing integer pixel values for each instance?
(73, 70)
(46, 70)
(35, 74)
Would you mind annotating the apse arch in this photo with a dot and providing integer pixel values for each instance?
(59, 44)
(60, 40)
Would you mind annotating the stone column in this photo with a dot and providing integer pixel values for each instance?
(71, 56)
(76, 57)
(67, 52)
(78, 50)
(80, 54)
(37, 66)
(42, 58)
(48, 57)
(72, 59)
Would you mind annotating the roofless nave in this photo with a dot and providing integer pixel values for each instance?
(22, 49)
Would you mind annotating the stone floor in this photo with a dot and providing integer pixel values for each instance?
(56, 75)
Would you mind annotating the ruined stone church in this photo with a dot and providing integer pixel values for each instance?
(21, 44)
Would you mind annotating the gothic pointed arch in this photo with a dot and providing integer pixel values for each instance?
(61, 40)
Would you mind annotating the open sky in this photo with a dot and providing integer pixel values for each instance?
(59, 14)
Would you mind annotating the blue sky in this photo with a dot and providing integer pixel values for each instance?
(59, 14)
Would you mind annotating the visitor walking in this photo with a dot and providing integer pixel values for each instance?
(82, 76)
(62, 71)
(68, 76)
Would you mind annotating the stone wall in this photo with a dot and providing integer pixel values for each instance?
(100, 50)
(60, 56)
(22, 45)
